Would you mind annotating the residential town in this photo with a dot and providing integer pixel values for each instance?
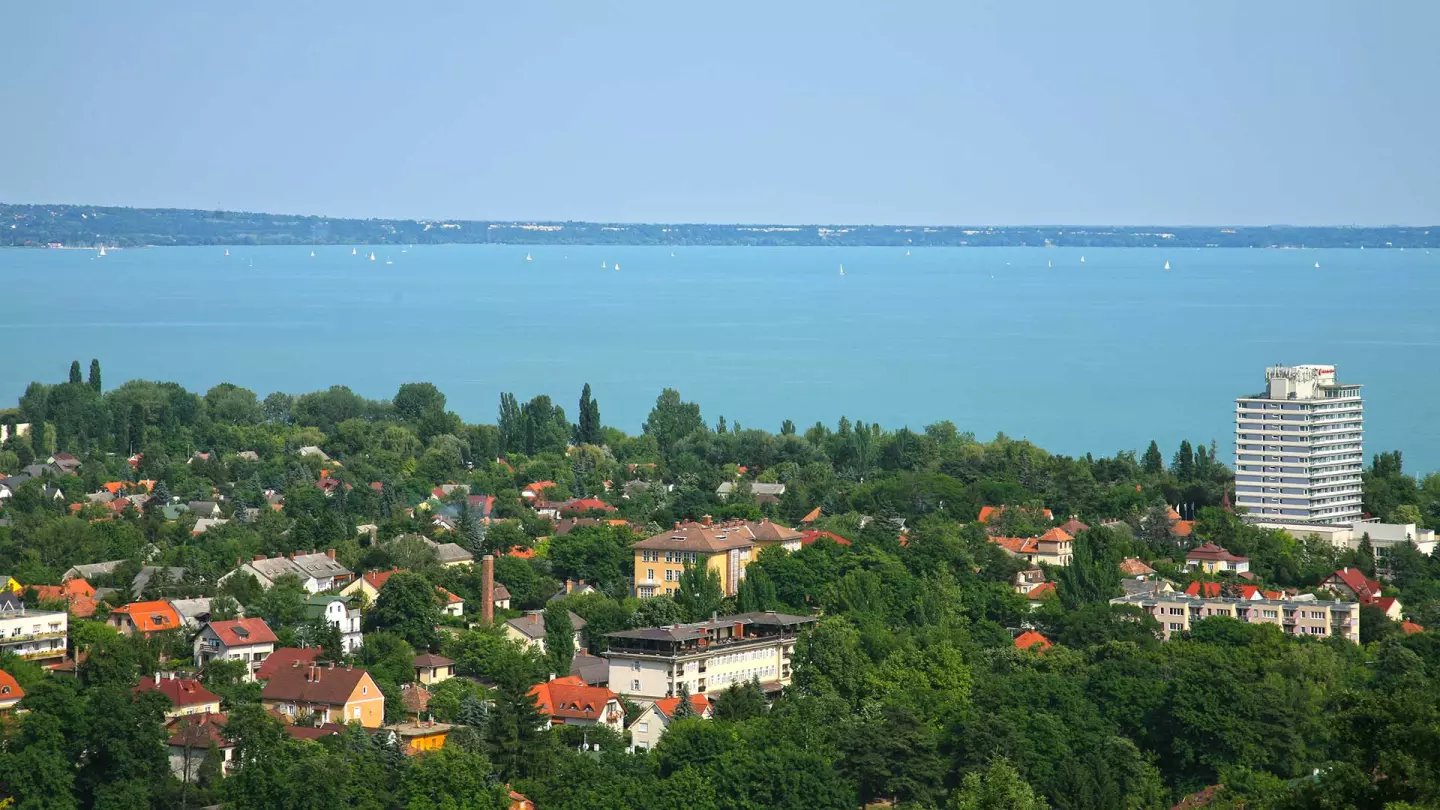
(362, 586)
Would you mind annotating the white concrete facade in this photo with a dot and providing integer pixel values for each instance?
(1299, 447)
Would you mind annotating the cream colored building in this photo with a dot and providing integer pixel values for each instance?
(706, 656)
(1177, 613)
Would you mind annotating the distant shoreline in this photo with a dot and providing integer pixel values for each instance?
(88, 227)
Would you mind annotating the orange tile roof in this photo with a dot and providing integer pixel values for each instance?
(987, 512)
(1182, 528)
(1411, 628)
(377, 579)
(521, 553)
(699, 703)
(1171, 513)
(150, 617)
(1030, 640)
(538, 487)
(115, 486)
(450, 598)
(571, 698)
(813, 536)
(243, 632)
(1056, 536)
(9, 687)
(811, 516)
(1016, 545)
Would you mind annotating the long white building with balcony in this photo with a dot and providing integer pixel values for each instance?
(1299, 447)
(35, 635)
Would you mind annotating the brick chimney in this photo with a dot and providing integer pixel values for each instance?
(487, 589)
(258, 558)
(330, 552)
(705, 521)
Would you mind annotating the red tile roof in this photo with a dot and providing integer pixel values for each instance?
(449, 597)
(1411, 628)
(521, 553)
(181, 692)
(813, 536)
(699, 703)
(1031, 640)
(284, 657)
(377, 579)
(199, 731)
(1016, 545)
(1365, 589)
(1041, 591)
(150, 617)
(571, 698)
(1056, 536)
(1182, 528)
(585, 505)
(1074, 526)
(1385, 603)
(240, 632)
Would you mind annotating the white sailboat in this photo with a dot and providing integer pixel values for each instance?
(616, 267)
(1082, 259)
(1048, 264)
(527, 258)
(227, 251)
(1167, 264)
(102, 251)
(387, 261)
(842, 269)
(312, 254)
(604, 266)
(907, 253)
(352, 252)
(1317, 265)
(372, 255)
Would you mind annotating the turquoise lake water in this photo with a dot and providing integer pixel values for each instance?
(1096, 356)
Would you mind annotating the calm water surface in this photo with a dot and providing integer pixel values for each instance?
(1096, 356)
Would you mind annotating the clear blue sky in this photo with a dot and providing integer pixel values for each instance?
(947, 112)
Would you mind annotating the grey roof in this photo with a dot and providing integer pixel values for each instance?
(592, 669)
(532, 625)
(248, 455)
(206, 522)
(312, 450)
(502, 593)
(756, 488)
(137, 585)
(13, 482)
(320, 566)
(37, 470)
(91, 570)
(452, 553)
(103, 496)
(203, 508)
(685, 632)
(1133, 586)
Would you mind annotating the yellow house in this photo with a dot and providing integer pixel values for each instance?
(420, 737)
(725, 548)
(332, 694)
(9, 584)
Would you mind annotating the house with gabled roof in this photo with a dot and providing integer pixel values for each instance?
(10, 691)
(651, 724)
(1054, 547)
(247, 640)
(530, 629)
(336, 611)
(186, 695)
(1213, 559)
(569, 701)
(1353, 583)
(330, 693)
(535, 489)
(190, 739)
(145, 618)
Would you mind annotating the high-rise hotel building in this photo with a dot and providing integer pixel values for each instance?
(1299, 447)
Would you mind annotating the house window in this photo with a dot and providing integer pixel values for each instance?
(634, 686)
(650, 574)
(364, 690)
(635, 665)
(669, 575)
(642, 727)
(357, 712)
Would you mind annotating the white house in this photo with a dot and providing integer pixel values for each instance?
(650, 726)
(337, 613)
(530, 629)
(247, 640)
